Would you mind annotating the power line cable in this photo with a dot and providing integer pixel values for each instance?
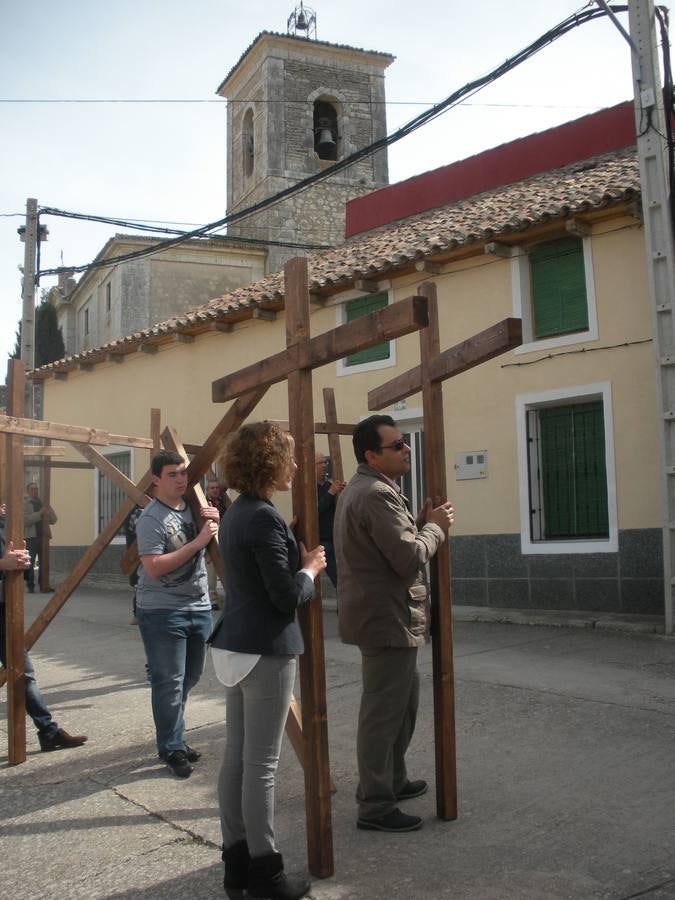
(141, 226)
(467, 90)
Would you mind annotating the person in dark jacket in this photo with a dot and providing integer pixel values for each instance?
(383, 592)
(327, 492)
(254, 649)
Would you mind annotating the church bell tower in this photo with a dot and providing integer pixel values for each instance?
(295, 106)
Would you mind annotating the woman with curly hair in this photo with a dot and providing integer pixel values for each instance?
(254, 649)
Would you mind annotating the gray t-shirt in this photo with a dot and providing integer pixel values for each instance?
(159, 530)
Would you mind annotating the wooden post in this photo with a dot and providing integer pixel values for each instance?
(441, 591)
(312, 662)
(155, 432)
(435, 368)
(14, 583)
(46, 494)
(334, 449)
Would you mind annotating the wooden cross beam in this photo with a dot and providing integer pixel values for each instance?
(79, 434)
(436, 367)
(34, 450)
(485, 345)
(386, 324)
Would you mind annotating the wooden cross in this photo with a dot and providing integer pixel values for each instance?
(137, 493)
(303, 354)
(13, 581)
(428, 377)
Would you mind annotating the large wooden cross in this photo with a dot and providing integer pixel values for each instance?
(435, 368)
(303, 354)
(85, 439)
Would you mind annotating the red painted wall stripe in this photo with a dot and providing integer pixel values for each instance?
(604, 131)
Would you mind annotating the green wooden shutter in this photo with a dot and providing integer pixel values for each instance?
(361, 307)
(573, 473)
(558, 283)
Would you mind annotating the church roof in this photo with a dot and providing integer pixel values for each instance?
(504, 214)
(387, 58)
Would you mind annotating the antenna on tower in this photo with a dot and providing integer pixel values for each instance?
(302, 22)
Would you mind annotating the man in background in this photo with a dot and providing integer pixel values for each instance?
(216, 495)
(37, 518)
(327, 492)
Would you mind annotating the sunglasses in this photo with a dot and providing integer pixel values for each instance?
(395, 445)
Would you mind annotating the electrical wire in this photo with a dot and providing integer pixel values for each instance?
(140, 226)
(531, 362)
(467, 90)
(302, 103)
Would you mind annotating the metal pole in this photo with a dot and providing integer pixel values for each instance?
(660, 252)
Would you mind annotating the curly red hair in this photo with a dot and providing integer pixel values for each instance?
(256, 458)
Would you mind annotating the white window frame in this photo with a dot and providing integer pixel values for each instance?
(341, 319)
(521, 290)
(601, 390)
(111, 450)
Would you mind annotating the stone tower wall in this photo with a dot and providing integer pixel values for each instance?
(280, 86)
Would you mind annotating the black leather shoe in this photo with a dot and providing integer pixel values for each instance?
(413, 789)
(179, 765)
(393, 821)
(61, 741)
(195, 755)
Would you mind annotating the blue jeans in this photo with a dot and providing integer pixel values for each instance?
(175, 648)
(35, 705)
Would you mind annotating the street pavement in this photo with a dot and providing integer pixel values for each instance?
(565, 763)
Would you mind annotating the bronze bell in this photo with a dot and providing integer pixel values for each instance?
(325, 142)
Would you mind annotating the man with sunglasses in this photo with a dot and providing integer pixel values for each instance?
(383, 596)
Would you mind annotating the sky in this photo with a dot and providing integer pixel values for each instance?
(165, 161)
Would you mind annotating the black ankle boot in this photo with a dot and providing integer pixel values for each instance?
(266, 878)
(236, 859)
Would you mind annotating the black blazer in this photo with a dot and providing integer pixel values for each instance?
(263, 584)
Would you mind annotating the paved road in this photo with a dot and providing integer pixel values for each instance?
(566, 759)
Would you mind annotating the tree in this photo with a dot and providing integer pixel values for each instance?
(48, 338)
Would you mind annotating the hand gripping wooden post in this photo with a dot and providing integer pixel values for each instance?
(436, 367)
(14, 583)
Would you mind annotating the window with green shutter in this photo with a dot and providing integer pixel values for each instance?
(362, 306)
(572, 474)
(558, 285)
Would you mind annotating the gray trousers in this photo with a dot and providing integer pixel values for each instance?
(256, 712)
(387, 717)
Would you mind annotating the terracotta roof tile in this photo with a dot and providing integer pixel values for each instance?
(595, 184)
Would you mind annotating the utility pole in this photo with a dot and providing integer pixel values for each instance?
(660, 250)
(29, 235)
